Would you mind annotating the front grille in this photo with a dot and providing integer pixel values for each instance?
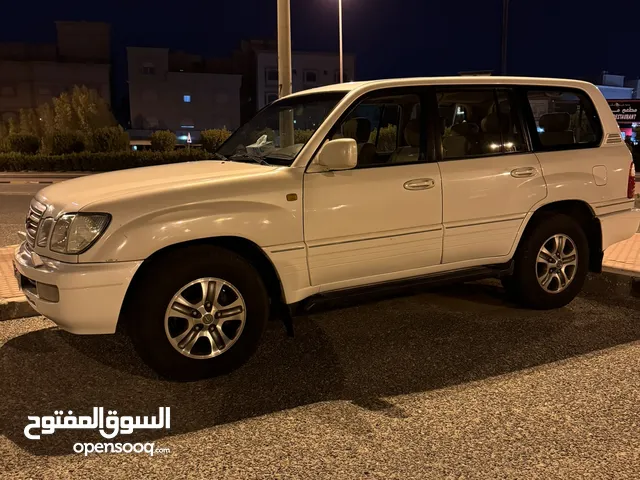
(36, 210)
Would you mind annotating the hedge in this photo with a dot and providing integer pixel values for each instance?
(23, 143)
(212, 139)
(163, 141)
(62, 143)
(96, 162)
(108, 139)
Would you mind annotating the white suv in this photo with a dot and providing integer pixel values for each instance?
(328, 190)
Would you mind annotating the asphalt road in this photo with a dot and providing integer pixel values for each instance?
(454, 383)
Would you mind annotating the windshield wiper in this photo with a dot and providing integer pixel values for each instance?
(219, 156)
(241, 157)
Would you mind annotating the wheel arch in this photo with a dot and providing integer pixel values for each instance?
(584, 214)
(247, 249)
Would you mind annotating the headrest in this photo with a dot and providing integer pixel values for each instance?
(465, 128)
(412, 133)
(357, 128)
(555, 122)
(491, 123)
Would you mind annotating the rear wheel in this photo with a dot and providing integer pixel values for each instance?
(551, 264)
(197, 312)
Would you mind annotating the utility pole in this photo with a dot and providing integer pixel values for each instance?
(341, 54)
(284, 69)
(505, 30)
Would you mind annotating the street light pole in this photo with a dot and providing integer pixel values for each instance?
(284, 70)
(505, 29)
(341, 53)
(284, 48)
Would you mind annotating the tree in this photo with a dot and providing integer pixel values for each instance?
(63, 116)
(28, 122)
(46, 117)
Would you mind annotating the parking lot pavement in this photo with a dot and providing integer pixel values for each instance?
(454, 383)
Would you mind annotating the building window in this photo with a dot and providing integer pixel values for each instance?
(44, 91)
(271, 75)
(148, 69)
(270, 98)
(8, 91)
(187, 123)
(310, 76)
(186, 98)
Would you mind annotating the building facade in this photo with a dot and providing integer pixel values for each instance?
(257, 60)
(180, 92)
(32, 74)
(617, 87)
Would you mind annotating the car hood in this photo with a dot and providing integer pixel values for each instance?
(73, 195)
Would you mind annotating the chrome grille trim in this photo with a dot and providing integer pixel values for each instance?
(36, 211)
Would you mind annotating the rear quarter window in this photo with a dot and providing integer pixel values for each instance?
(563, 119)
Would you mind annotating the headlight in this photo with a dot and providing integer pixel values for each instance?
(76, 232)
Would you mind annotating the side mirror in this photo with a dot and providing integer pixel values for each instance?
(340, 154)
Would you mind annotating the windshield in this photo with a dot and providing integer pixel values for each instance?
(278, 132)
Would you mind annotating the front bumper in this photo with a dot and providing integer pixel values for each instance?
(80, 298)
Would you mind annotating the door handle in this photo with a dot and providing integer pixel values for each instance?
(523, 172)
(420, 184)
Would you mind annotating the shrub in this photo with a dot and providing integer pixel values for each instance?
(109, 139)
(96, 162)
(212, 139)
(61, 143)
(163, 141)
(23, 143)
(302, 136)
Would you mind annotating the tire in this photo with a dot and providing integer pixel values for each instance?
(151, 323)
(524, 285)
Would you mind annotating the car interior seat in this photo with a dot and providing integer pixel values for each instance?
(556, 129)
(410, 152)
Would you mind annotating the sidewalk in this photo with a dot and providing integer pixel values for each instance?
(621, 259)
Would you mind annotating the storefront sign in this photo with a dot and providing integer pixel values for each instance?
(625, 111)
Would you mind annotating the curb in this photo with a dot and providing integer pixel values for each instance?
(14, 308)
(22, 178)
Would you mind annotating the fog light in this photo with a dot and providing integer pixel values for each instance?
(49, 293)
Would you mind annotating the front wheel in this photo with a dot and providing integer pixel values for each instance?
(197, 312)
(551, 264)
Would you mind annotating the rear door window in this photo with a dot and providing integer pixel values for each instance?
(564, 119)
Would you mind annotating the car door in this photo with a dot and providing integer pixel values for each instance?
(383, 219)
(491, 180)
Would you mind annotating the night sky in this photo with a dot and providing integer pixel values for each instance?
(391, 38)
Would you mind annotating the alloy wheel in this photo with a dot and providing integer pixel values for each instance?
(205, 318)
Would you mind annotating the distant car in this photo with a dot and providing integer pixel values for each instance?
(350, 186)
